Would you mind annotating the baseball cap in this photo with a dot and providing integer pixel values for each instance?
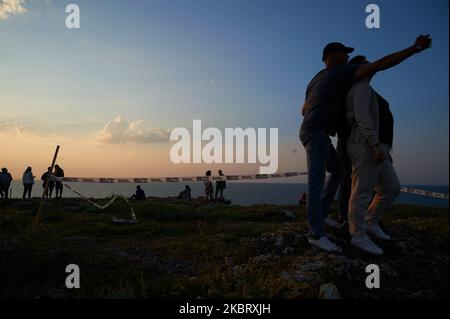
(333, 47)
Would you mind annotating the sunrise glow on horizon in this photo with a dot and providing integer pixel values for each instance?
(110, 92)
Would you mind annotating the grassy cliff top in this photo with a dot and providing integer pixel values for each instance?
(197, 250)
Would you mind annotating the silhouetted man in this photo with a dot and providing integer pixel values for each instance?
(59, 172)
(51, 183)
(5, 183)
(324, 115)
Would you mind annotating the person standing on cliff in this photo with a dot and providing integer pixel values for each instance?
(324, 116)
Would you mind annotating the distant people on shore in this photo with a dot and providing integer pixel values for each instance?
(51, 183)
(5, 183)
(221, 184)
(59, 172)
(28, 182)
(139, 195)
(185, 194)
(209, 188)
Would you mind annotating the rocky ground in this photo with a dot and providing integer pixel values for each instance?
(196, 250)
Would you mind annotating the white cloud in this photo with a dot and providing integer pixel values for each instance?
(10, 7)
(14, 128)
(121, 131)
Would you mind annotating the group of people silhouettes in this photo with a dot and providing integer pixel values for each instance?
(210, 194)
(221, 185)
(341, 101)
(28, 180)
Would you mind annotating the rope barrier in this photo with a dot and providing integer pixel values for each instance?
(115, 220)
(133, 219)
(146, 180)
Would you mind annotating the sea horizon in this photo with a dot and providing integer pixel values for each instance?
(239, 192)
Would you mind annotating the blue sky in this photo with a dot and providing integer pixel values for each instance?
(229, 63)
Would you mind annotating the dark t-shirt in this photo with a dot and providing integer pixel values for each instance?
(386, 122)
(51, 183)
(140, 194)
(59, 172)
(325, 99)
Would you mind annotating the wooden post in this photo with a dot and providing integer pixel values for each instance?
(47, 180)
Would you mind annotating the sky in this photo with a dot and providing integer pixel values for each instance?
(111, 92)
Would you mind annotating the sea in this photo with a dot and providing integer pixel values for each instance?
(239, 193)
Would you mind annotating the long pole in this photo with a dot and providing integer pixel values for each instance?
(47, 180)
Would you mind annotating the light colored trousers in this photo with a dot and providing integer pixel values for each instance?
(368, 177)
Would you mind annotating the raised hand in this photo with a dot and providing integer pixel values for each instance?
(423, 42)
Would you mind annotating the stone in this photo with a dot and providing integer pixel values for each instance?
(329, 291)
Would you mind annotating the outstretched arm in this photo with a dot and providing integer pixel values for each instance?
(422, 43)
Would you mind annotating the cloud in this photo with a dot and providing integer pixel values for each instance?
(26, 131)
(213, 82)
(14, 128)
(10, 7)
(121, 131)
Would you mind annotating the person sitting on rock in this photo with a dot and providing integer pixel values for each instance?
(302, 200)
(140, 194)
(186, 193)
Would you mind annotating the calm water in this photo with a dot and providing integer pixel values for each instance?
(239, 193)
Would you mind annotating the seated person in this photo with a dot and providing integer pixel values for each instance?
(302, 200)
(186, 193)
(140, 195)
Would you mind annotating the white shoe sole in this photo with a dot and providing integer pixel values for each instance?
(376, 236)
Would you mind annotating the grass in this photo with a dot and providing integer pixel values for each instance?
(195, 250)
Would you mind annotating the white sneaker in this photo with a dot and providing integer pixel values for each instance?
(375, 229)
(363, 242)
(331, 222)
(325, 244)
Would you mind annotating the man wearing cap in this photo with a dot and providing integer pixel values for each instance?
(323, 116)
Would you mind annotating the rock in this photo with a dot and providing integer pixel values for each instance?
(122, 253)
(329, 291)
(5, 220)
(228, 260)
(278, 241)
(261, 258)
(288, 213)
(279, 215)
(300, 277)
(402, 245)
(311, 266)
